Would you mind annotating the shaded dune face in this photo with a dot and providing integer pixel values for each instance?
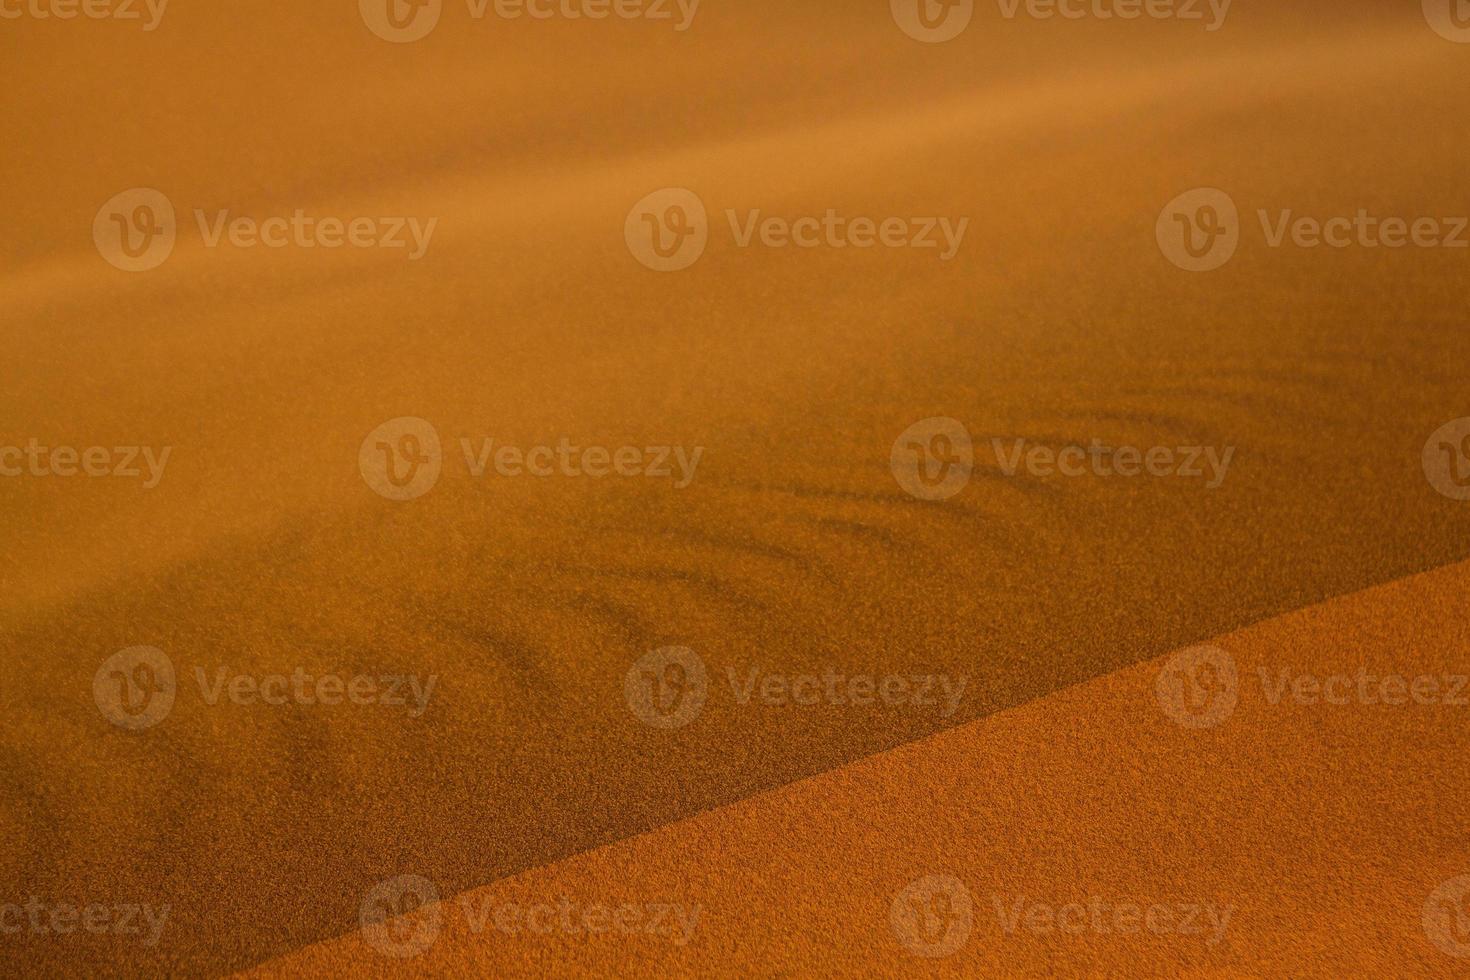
(1090, 797)
(793, 550)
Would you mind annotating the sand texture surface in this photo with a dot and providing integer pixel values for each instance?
(792, 549)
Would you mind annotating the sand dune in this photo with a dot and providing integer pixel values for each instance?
(1088, 797)
(793, 549)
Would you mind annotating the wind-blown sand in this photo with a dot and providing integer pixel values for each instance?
(1291, 839)
(793, 550)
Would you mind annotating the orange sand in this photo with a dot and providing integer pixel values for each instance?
(263, 550)
(1324, 827)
